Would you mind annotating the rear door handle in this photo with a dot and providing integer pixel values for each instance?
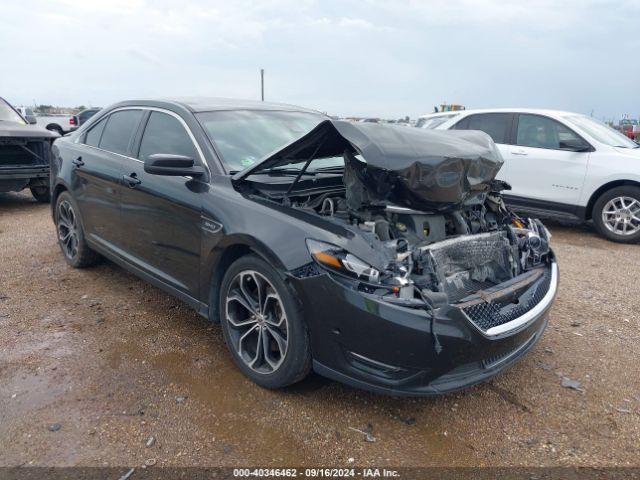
(78, 162)
(518, 152)
(131, 180)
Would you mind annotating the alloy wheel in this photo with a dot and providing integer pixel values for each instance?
(621, 215)
(68, 229)
(257, 321)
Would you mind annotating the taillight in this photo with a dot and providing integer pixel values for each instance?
(72, 121)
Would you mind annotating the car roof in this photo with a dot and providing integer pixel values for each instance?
(540, 111)
(209, 104)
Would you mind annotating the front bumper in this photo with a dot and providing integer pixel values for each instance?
(13, 173)
(363, 341)
(14, 179)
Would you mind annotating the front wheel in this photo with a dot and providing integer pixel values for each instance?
(263, 325)
(616, 214)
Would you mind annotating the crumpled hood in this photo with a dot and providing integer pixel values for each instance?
(14, 129)
(414, 167)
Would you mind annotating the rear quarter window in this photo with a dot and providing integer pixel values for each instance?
(92, 138)
(496, 125)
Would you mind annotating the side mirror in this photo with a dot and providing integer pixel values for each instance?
(172, 165)
(31, 119)
(575, 145)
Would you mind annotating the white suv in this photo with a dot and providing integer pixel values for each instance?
(561, 164)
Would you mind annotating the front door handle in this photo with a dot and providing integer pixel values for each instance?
(78, 162)
(518, 152)
(131, 180)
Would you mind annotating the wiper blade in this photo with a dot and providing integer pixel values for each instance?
(286, 171)
(329, 169)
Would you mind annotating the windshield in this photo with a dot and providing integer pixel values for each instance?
(8, 114)
(601, 132)
(433, 122)
(243, 137)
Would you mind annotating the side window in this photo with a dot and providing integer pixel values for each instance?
(543, 132)
(121, 126)
(93, 136)
(165, 134)
(462, 124)
(496, 125)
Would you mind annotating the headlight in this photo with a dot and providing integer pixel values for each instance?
(339, 260)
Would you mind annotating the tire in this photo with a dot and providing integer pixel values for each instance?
(41, 193)
(623, 203)
(280, 322)
(71, 233)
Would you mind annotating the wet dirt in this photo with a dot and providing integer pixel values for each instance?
(115, 361)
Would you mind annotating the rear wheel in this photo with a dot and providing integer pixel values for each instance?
(616, 214)
(263, 324)
(71, 234)
(41, 193)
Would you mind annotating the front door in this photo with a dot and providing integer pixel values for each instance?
(542, 164)
(161, 215)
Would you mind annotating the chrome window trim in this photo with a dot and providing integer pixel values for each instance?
(110, 152)
(152, 109)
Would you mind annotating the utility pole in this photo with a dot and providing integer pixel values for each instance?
(262, 84)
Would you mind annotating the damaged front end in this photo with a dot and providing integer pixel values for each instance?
(25, 153)
(428, 224)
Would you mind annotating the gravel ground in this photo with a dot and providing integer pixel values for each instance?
(98, 368)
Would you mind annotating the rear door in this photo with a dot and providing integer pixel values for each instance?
(497, 126)
(543, 164)
(96, 175)
(162, 214)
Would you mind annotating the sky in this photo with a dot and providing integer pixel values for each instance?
(362, 57)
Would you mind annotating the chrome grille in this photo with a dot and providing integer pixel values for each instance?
(493, 314)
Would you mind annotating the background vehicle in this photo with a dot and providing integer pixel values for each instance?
(629, 127)
(85, 115)
(28, 114)
(60, 123)
(24, 154)
(562, 164)
(448, 107)
(305, 258)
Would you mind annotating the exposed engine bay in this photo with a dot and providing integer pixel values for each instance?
(455, 253)
(427, 201)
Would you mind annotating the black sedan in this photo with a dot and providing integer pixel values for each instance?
(379, 256)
